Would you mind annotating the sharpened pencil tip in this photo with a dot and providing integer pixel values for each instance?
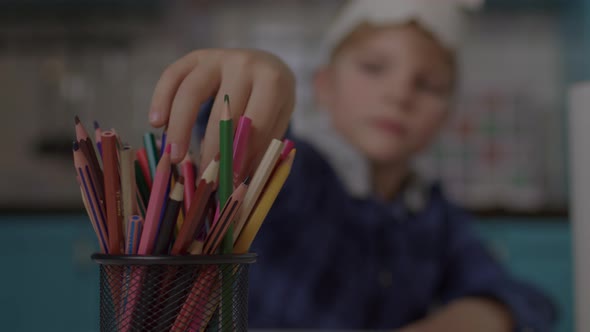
(226, 113)
(226, 99)
(76, 146)
(77, 119)
(96, 125)
(168, 149)
(247, 180)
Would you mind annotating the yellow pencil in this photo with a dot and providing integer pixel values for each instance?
(266, 201)
(259, 180)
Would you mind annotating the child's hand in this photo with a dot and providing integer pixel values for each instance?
(259, 86)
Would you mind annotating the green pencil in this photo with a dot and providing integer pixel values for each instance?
(149, 142)
(226, 180)
(226, 133)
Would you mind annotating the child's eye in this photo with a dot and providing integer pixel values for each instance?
(372, 68)
(429, 86)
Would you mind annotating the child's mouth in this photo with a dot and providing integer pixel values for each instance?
(391, 127)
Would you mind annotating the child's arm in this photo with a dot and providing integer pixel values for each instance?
(477, 292)
(258, 84)
(468, 314)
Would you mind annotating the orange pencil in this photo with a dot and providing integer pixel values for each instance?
(194, 220)
(112, 185)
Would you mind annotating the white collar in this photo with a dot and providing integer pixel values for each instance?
(351, 167)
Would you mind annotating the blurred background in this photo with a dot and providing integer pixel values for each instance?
(503, 154)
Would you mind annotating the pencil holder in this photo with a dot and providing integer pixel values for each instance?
(174, 293)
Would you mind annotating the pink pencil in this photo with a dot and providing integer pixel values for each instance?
(157, 196)
(287, 147)
(241, 147)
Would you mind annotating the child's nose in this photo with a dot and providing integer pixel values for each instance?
(400, 93)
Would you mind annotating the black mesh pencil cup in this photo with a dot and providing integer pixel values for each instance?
(173, 293)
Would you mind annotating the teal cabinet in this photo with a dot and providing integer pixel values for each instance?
(538, 252)
(48, 281)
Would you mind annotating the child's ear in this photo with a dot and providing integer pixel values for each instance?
(322, 87)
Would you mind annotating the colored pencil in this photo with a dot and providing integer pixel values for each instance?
(226, 186)
(194, 220)
(246, 237)
(88, 210)
(97, 217)
(87, 149)
(128, 185)
(196, 247)
(133, 275)
(163, 140)
(171, 215)
(188, 171)
(98, 137)
(152, 218)
(226, 218)
(112, 186)
(288, 145)
(149, 143)
(241, 147)
(142, 187)
(144, 164)
(196, 311)
(134, 228)
(258, 182)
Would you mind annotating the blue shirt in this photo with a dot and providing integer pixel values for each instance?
(328, 260)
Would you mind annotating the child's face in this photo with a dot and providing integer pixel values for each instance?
(389, 93)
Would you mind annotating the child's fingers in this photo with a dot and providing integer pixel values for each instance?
(167, 86)
(199, 85)
(237, 84)
(264, 109)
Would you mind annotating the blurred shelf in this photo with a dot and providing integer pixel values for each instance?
(526, 4)
(77, 9)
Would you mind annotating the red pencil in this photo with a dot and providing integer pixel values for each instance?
(142, 159)
(193, 222)
(188, 171)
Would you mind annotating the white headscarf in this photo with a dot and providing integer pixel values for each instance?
(445, 19)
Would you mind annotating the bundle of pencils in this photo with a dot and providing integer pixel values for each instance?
(141, 204)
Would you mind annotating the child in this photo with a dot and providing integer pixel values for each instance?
(334, 252)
